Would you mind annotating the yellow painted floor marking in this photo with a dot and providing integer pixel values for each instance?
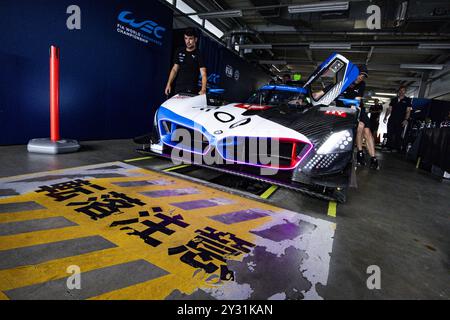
(332, 209)
(129, 248)
(42, 237)
(27, 215)
(269, 192)
(138, 159)
(158, 289)
(177, 167)
(29, 175)
(56, 269)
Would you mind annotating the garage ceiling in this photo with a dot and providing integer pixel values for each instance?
(412, 32)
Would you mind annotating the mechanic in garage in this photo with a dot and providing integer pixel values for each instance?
(400, 111)
(356, 91)
(187, 62)
(286, 78)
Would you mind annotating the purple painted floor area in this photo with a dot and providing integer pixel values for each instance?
(143, 183)
(285, 231)
(198, 204)
(170, 193)
(239, 216)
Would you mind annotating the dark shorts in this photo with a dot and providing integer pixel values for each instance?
(364, 118)
(374, 125)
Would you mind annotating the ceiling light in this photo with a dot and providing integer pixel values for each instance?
(386, 94)
(402, 79)
(434, 46)
(319, 7)
(422, 66)
(401, 14)
(256, 46)
(380, 98)
(330, 46)
(272, 62)
(221, 14)
(279, 71)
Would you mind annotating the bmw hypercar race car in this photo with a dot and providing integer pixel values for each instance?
(290, 136)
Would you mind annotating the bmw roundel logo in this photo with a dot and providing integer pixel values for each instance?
(218, 132)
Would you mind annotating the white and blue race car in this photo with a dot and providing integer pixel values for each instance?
(286, 135)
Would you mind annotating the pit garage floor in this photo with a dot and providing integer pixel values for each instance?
(141, 228)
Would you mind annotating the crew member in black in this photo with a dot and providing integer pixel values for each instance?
(375, 112)
(400, 111)
(356, 91)
(187, 63)
(286, 78)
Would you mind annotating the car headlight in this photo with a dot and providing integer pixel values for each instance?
(341, 141)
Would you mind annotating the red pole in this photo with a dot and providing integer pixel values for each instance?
(54, 93)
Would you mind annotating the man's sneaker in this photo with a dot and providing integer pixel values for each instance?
(360, 160)
(374, 163)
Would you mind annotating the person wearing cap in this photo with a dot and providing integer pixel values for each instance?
(356, 91)
(286, 78)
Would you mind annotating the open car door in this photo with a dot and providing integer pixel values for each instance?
(331, 79)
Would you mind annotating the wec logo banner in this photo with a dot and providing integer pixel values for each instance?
(142, 30)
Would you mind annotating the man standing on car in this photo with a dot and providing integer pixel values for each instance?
(400, 111)
(187, 63)
(356, 91)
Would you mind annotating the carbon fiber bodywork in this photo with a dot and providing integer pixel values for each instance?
(311, 122)
(318, 126)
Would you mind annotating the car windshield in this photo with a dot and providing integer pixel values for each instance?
(327, 79)
(274, 97)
